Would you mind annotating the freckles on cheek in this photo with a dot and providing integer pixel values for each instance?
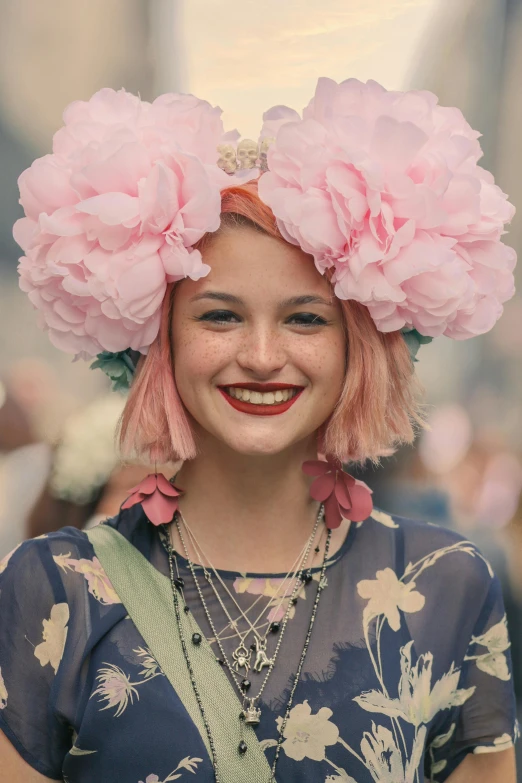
(203, 353)
(324, 361)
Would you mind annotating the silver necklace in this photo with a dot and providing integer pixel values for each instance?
(251, 713)
(243, 613)
(242, 747)
(242, 654)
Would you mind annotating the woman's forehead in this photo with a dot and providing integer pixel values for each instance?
(244, 260)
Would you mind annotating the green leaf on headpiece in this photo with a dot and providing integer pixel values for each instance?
(117, 366)
(414, 340)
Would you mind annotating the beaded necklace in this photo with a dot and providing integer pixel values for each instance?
(177, 585)
(241, 654)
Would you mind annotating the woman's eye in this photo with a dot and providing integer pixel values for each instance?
(218, 317)
(228, 317)
(308, 319)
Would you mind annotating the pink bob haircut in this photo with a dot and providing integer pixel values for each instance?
(378, 408)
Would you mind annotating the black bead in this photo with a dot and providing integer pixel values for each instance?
(307, 577)
(245, 685)
(180, 583)
(220, 661)
(294, 601)
(253, 646)
(242, 747)
(274, 627)
(318, 549)
(196, 638)
(186, 609)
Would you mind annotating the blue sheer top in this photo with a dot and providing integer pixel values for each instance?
(407, 671)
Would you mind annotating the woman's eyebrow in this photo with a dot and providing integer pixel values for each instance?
(222, 296)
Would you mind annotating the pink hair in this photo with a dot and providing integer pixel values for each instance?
(378, 407)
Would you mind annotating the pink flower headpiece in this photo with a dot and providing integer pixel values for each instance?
(381, 188)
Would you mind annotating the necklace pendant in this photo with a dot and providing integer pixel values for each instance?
(251, 714)
(262, 658)
(241, 658)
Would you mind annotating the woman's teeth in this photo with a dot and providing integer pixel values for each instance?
(259, 398)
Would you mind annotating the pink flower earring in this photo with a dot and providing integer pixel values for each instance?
(158, 497)
(344, 496)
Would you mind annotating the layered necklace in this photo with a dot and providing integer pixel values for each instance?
(291, 585)
(293, 582)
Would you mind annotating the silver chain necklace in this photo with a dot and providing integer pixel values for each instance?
(251, 710)
(242, 748)
(296, 565)
(242, 653)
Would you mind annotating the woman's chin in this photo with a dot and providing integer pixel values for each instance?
(256, 444)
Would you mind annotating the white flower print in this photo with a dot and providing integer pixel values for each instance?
(3, 693)
(99, 584)
(306, 735)
(383, 518)
(187, 763)
(494, 662)
(116, 688)
(387, 595)
(500, 743)
(76, 751)
(438, 742)
(340, 777)
(494, 665)
(279, 590)
(384, 760)
(418, 700)
(54, 635)
(441, 739)
(151, 667)
(496, 639)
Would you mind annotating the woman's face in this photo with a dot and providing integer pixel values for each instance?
(262, 316)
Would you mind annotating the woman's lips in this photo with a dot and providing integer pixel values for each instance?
(259, 410)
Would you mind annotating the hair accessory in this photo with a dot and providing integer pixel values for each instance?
(385, 191)
(344, 496)
(119, 367)
(248, 155)
(382, 188)
(113, 213)
(158, 496)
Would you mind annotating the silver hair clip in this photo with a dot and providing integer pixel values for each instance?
(247, 155)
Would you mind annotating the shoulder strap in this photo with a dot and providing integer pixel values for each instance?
(147, 597)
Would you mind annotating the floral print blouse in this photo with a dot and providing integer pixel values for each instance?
(407, 671)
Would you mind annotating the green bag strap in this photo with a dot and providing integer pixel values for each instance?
(147, 597)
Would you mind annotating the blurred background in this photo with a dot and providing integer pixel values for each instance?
(57, 463)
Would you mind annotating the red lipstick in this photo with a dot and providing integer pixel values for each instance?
(260, 410)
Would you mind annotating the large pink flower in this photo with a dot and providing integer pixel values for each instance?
(113, 214)
(384, 189)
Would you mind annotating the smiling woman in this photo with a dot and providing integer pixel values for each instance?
(373, 395)
(255, 618)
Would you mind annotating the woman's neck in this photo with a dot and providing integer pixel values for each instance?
(249, 514)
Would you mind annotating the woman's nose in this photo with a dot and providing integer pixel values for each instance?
(262, 351)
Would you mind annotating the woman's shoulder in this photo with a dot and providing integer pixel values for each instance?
(423, 531)
(69, 540)
(59, 569)
(44, 547)
(420, 547)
